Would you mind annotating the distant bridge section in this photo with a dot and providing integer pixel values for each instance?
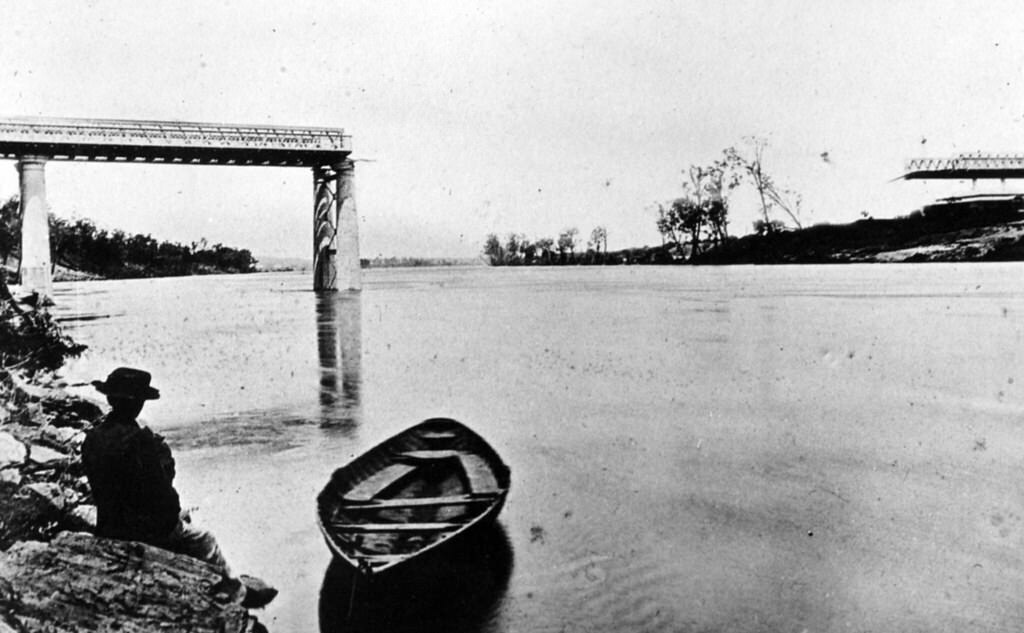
(976, 166)
(35, 141)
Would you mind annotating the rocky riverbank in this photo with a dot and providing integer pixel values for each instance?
(55, 576)
(42, 488)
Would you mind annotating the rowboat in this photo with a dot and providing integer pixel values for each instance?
(422, 489)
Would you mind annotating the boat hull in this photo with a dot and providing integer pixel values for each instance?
(418, 493)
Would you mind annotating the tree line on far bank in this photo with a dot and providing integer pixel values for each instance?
(81, 245)
(691, 225)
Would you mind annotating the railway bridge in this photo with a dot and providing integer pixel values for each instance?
(33, 142)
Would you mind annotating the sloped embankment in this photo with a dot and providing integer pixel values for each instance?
(980, 231)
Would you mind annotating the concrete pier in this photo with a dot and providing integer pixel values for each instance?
(35, 268)
(349, 271)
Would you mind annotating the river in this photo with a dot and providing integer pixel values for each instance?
(820, 448)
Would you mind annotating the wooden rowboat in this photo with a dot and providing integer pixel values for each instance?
(414, 493)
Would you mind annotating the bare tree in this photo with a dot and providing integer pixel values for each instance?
(718, 181)
(599, 239)
(751, 163)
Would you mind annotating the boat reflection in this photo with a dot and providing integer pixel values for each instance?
(339, 345)
(460, 588)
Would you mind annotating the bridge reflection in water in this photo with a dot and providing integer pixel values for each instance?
(339, 345)
(460, 588)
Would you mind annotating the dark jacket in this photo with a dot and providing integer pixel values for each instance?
(131, 473)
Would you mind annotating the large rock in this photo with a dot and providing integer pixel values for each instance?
(12, 451)
(78, 583)
(67, 410)
(25, 515)
(63, 436)
(49, 493)
(43, 456)
(83, 517)
(25, 389)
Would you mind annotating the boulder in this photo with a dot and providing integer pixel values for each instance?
(43, 456)
(51, 494)
(12, 451)
(30, 414)
(25, 515)
(78, 583)
(26, 389)
(63, 435)
(70, 411)
(83, 517)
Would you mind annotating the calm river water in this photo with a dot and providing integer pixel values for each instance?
(692, 449)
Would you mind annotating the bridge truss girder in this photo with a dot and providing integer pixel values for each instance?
(977, 166)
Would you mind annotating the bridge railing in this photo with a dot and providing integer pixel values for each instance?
(172, 134)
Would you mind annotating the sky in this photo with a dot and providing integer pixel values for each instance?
(527, 117)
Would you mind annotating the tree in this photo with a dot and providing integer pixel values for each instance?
(30, 339)
(669, 225)
(516, 247)
(751, 163)
(10, 228)
(546, 247)
(713, 184)
(529, 250)
(567, 242)
(493, 250)
(768, 228)
(599, 239)
(682, 222)
(702, 213)
(60, 233)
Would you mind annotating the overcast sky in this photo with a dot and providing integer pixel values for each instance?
(527, 116)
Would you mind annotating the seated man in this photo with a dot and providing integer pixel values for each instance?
(131, 473)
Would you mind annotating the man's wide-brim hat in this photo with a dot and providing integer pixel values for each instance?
(125, 382)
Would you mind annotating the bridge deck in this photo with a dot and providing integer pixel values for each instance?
(172, 142)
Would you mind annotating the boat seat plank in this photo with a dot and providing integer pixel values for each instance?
(438, 435)
(366, 489)
(377, 504)
(427, 455)
(481, 477)
(395, 527)
(378, 558)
